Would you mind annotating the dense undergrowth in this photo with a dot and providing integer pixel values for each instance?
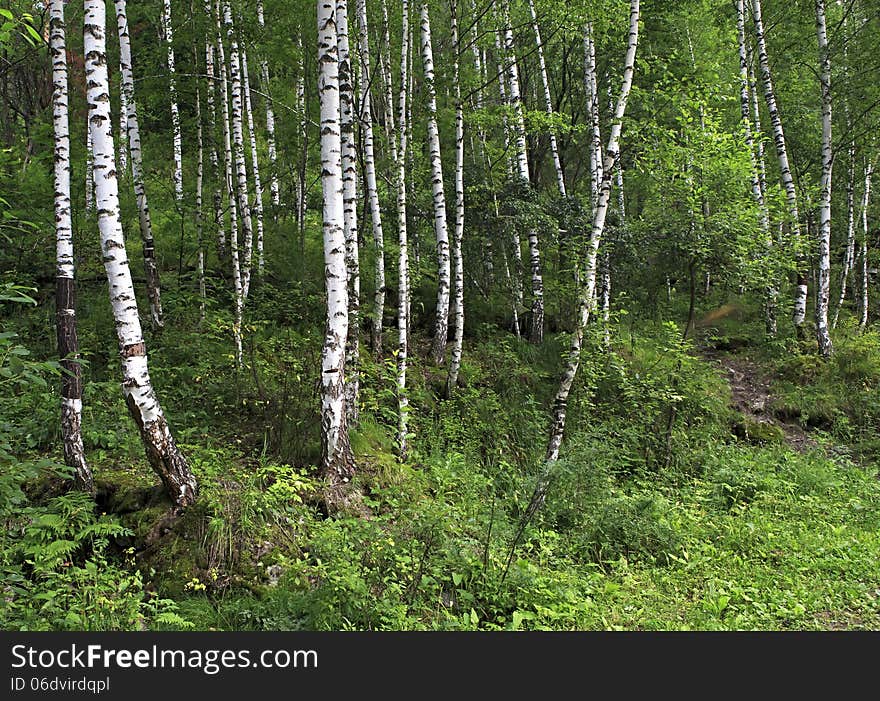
(657, 517)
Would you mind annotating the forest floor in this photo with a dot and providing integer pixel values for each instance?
(750, 387)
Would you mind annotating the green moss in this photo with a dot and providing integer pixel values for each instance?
(758, 432)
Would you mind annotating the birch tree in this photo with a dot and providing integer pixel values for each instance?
(162, 452)
(337, 458)
(65, 281)
(175, 111)
(800, 302)
(366, 120)
(548, 100)
(238, 158)
(441, 231)
(274, 187)
(588, 282)
(402, 242)
(151, 268)
(255, 163)
(458, 231)
(349, 200)
(212, 75)
(536, 333)
(745, 103)
(866, 200)
(232, 201)
(823, 290)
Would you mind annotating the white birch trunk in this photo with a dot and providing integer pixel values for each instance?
(866, 200)
(588, 282)
(850, 253)
(304, 150)
(536, 333)
(238, 292)
(349, 199)
(162, 452)
(548, 100)
(823, 290)
(65, 279)
(90, 180)
(238, 157)
(755, 175)
(274, 187)
(123, 130)
(200, 216)
(366, 118)
(403, 255)
(175, 111)
(458, 231)
(337, 458)
(591, 85)
(441, 231)
(255, 163)
(800, 302)
(151, 267)
(211, 71)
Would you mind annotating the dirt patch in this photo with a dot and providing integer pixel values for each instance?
(751, 396)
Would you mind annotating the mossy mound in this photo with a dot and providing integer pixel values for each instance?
(756, 431)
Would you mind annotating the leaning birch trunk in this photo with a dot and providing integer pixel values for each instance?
(458, 231)
(402, 244)
(823, 290)
(274, 187)
(591, 85)
(151, 268)
(548, 100)
(800, 302)
(536, 333)
(175, 111)
(866, 200)
(230, 191)
(162, 452)
(238, 151)
(255, 164)
(441, 230)
(65, 281)
(337, 459)
(349, 204)
(588, 282)
(755, 175)
(366, 118)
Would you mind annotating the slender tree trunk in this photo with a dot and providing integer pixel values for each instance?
(123, 130)
(162, 452)
(757, 187)
(850, 253)
(366, 118)
(591, 86)
(337, 458)
(238, 150)
(65, 280)
(175, 112)
(274, 186)
(823, 290)
(403, 256)
(90, 179)
(304, 146)
(536, 333)
(588, 282)
(200, 216)
(548, 100)
(238, 292)
(212, 74)
(800, 302)
(255, 164)
(866, 200)
(349, 197)
(151, 267)
(458, 231)
(514, 277)
(441, 231)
